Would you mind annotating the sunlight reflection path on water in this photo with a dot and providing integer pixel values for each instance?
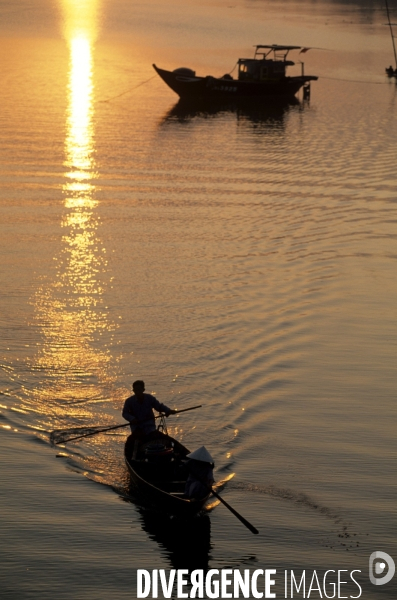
(73, 361)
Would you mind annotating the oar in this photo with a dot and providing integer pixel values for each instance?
(118, 426)
(92, 433)
(184, 409)
(236, 514)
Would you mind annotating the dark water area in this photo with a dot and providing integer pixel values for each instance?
(239, 257)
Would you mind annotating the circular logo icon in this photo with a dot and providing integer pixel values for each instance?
(378, 561)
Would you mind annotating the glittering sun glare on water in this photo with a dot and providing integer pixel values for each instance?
(80, 29)
(79, 142)
(80, 19)
(74, 359)
(80, 90)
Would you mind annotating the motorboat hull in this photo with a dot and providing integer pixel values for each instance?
(222, 89)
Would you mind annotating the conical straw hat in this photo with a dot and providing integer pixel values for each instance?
(201, 454)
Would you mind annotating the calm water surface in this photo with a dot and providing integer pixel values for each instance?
(243, 259)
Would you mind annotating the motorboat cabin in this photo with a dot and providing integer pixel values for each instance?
(269, 63)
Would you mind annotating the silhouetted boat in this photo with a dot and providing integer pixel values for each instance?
(261, 77)
(156, 471)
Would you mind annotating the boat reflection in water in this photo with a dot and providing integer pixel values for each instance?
(254, 112)
(187, 542)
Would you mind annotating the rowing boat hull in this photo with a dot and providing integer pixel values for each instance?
(220, 89)
(156, 493)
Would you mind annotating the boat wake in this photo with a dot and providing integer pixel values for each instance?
(346, 537)
(288, 494)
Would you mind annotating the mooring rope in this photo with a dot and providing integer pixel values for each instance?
(230, 72)
(355, 80)
(129, 90)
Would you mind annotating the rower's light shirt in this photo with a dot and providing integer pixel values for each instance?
(143, 412)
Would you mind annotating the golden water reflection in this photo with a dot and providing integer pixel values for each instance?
(79, 145)
(74, 360)
(80, 19)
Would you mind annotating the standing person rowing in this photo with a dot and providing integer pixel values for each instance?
(138, 410)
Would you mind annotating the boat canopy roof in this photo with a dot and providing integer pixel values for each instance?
(279, 52)
(277, 47)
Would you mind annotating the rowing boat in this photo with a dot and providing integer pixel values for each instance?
(156, 470)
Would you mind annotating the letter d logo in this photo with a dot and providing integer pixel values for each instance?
(381, 558)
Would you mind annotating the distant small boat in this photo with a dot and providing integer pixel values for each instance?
(261, 77)
(390, 72)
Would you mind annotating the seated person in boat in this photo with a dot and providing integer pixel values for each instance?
(201, 475)
(138, 410)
